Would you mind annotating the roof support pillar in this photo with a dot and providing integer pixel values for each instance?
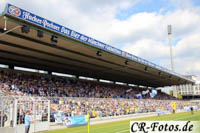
(77, 76)
(50, 72)
(11, 67)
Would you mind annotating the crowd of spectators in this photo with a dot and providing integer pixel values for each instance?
(77, 97)
(29, 84)
(110, 107)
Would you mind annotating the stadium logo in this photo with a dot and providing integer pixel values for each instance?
(14, 11)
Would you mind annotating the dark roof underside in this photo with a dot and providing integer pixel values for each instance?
(73, 57)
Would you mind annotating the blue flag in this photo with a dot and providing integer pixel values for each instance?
(76, 121)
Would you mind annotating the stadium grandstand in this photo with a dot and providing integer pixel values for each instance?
(102, 81)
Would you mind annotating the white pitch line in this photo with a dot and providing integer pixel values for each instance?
(80, 130)
(122, 131)
(186, 117)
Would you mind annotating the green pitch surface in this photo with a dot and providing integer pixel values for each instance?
(123, 126)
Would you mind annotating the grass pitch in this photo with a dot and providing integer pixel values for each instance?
(123, 126)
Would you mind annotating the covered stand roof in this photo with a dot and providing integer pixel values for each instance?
(73, 53)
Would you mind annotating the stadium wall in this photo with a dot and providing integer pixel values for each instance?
(94, 121)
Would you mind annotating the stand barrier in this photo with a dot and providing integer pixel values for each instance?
(13, 109)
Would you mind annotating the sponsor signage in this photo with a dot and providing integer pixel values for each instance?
(76, 121)
(30, 17)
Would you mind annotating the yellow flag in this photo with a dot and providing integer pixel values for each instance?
(93, 113)
(97, 115)
(173, 106)
(88, 119)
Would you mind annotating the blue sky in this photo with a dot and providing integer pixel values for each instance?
(157, 6)
(196, 2)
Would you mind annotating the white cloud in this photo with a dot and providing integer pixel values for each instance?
(188, 46)
(183, 22)
(187, 55)
(148, 49)
(2, 2)
(154, 47)
(182, 4)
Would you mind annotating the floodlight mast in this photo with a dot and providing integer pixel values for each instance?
(169, 27)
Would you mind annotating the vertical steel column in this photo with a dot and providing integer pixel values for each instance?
(15, 113)
(49, 111)
(1, 110)
(34, 114)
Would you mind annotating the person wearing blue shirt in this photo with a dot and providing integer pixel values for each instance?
(28, 121)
